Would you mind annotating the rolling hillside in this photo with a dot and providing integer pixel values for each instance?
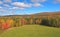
(31, 25)
(32, 31)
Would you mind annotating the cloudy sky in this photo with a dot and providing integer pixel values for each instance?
(17, 7)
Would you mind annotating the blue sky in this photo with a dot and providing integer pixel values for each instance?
(17, 7)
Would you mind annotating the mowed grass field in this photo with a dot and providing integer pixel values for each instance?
(32, 31)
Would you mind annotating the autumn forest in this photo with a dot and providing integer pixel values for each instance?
(47, 19)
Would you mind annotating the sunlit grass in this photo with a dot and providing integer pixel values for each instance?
(32, 31)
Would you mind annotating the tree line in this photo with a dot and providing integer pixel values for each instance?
(8, 22)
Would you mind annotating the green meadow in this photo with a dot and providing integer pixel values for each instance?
(32, 31)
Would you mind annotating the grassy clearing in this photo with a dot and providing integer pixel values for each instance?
(32, 31)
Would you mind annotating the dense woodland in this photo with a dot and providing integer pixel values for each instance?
(47, 19)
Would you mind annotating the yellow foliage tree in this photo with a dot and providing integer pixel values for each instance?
(11, 22)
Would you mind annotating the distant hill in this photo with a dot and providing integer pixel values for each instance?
(36, 14)
(48, 13)
(42, 13)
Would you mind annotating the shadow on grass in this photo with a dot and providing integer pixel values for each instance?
(1, 31)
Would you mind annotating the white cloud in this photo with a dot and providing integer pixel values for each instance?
(6, 5)
(1, 2)
(21, 4)
(7, 0)
(37, 1)
(57, 1)
(3, 11)
(16, 8)
(0, 7)
(37, 5)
